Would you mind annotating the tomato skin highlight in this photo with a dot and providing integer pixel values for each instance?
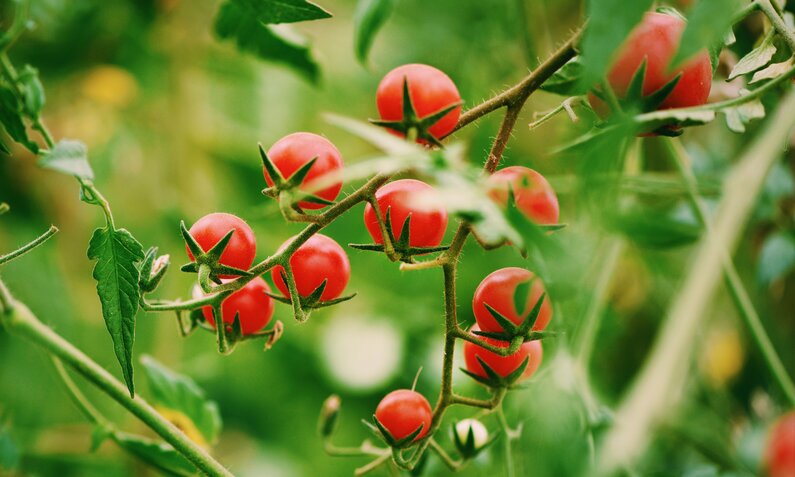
(242, 247)
(291, 152)
(780, 452)
(656, 39)
(401, 412)
(534, 196)
(502, 365)
(428, 224)
(497, 290)
(431, 90)
(250, 302)
(319, 258)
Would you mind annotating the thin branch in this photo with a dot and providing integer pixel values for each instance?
(29, 246)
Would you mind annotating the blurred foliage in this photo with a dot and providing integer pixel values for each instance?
(171, 117)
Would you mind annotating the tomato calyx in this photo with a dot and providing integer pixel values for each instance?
(207, 264)
(152, 270)
(470, 445)
(523, 331)
(397, 249)
(286, 189)
(232, 332)
(383, 433)
(312, 300)
(411, 125)
(493, 379)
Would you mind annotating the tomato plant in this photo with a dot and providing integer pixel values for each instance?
(242, 247)
(403, 412)
(320, 261)
(533, 195)
(513, 293)
(476, 356)
(250, 304)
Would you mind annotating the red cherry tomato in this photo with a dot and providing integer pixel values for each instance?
(242, 247)
(656, 39)
(502, 365)
(254, 307)
(291, 152)
(401, 412)
(403, 198)
(319, 258)
(780, 451)
(431, 91)
(497, 290)
(533, 194)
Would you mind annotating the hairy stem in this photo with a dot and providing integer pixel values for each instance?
(29, 246)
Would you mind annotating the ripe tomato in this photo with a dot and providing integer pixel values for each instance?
(401, 412)
(242, 247)
(502, 365)
(656, 39)
(780, 451)
(403, 198)
(250, 302)
(497, 290)
(291, 152)
(534, 197)
(431, 91)
(319, 258)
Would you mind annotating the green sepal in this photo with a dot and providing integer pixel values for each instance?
(384, 434)
(467, 449)
(210, 258)
(493, 379)
(298, 176)
(506, 324)
(149, 278)
(274, 173)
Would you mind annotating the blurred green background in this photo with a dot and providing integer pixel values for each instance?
(172, 118)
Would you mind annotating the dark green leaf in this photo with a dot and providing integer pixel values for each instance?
(369, 17)
(567, 80)
(33, 91)
(276, 44)
(117, 254)
(777, 258)
(11, 118)
(708, 22)
(180, 393)
(281, 11)
(157, 454)
(68, 157)
(609, 23)
(520, 296)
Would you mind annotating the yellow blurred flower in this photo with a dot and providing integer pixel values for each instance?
(184, 424)
(110, 85)
(723, 356)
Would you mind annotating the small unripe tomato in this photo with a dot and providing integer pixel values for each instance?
(403, 198)
(402, 412)
(291, 152)
(480, 434)
(502, 365)
(497, 290)
(251, 303)
(656, 39)
(780, 451)
(534, 196)
(430, 90)
(242, 247)
(319, 258)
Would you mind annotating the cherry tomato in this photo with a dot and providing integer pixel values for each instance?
(254, 307)
(780, 451)
(291, 152)
(319, 258)
(403, 198)
(656, 39)
(497, 290)
(502, 365)
(431, 91)
(534, 197)
(401, 412)
(242, 247)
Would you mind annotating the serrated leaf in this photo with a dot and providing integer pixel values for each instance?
(117, 254)
(567, 80)
(708, 22)
(755, 59)
(157, 454)
(179, 393)
(270, 43)
(33, 91)
(282, 11)
(11, 119)
(738, 117)
(777, 258)
(68, 157)
(609, 24)
(773, 71)
(369, 17)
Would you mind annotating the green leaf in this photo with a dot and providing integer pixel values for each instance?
(117, 253)
(756, 59)
(281, 11)
(278, 44)
(9, 452)
(567, 80)
(777, 258)
(157, 454)
(11, 118)
(609, 24)
(180, 393)
(33, 91)
(68, 157)
(772, 71)
(369, 17)
(738, 117)
(655, 229)
(708, 24)
(521, 295)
